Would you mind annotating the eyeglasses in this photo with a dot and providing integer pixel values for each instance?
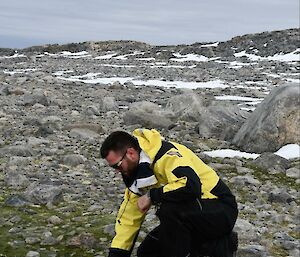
(119, 163)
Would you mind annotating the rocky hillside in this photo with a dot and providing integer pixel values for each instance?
(59, 102)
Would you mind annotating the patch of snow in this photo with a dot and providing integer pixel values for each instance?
(293, 80)
(105, 57)
(62, 72)
(18, 71)
(289, 151)
(230, 153)
(92, 78)
(238, 65)
(189, 57)
(146, 59)
(81, 54)
(16, 55)
(273, 75)
(211, 45)
(238, 98)
(247, 109)
(289, 57)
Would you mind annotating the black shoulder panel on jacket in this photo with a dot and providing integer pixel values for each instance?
(165, 147)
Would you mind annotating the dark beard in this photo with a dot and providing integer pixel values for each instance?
(128, 180)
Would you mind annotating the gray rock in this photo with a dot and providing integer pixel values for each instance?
(43, 194)
(55, 220)
(220, 122)
(146, 120)
(33, 254)
(97, 128)
(252, 251)
(271, 162)
(85, 240)
(145, 106)
(109, 104)
(214, 120)
(109, 229)
(116, 86)
(83, 134)
(245, 180)
(280, 196)
(19, 161)
(246, 230)
(16, 201)
(293, 172)
(34, 98)
(286, 241)
(31, 240)
(73, 159)
(187, 106)
(92, 110)
(274, 123)
(16, 180)
(18, 150)
(48, 239)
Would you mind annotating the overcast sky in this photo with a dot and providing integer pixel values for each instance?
(26, 23)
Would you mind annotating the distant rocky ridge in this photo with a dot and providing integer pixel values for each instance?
(59, 102)
(266, 43)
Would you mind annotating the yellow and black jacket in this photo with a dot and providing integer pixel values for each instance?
(180, 176)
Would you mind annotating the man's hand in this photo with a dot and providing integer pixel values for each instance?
(144, 203)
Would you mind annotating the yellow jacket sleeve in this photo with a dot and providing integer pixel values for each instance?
(128, 222)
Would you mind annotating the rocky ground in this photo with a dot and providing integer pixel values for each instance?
(58, 103)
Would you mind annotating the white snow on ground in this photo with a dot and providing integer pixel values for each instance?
(211, 45)
(62, 72)
(289, 151)
(91, 78)
(248, 109)
(246, 101)
(67, 54)
(146, 59)
(272, 75)
(238, 65)
(16, 55)
(238, 98)
(293, 80)
(252, 57)
(222, 153)
(189, 57)
(105, 57)
(118, 57)
(289, 57)
(75, 55)
(18, 71)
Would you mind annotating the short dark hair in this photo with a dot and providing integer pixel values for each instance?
(118, 141)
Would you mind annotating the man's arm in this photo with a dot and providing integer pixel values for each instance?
(128, 223)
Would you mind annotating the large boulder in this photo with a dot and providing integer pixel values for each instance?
(272, 163)
(274, 123)
(187, 106)
(215, 120)
(220, 122)
(37, 97)
(148, 115)
(43, 194)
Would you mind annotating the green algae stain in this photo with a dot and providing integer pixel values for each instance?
(33, 220)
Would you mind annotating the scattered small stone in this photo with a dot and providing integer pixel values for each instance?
(33, 254)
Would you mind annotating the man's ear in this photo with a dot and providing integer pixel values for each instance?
(132, 153)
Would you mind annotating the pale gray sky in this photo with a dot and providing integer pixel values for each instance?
(26, 23)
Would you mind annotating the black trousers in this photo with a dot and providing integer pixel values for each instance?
(187, 229)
